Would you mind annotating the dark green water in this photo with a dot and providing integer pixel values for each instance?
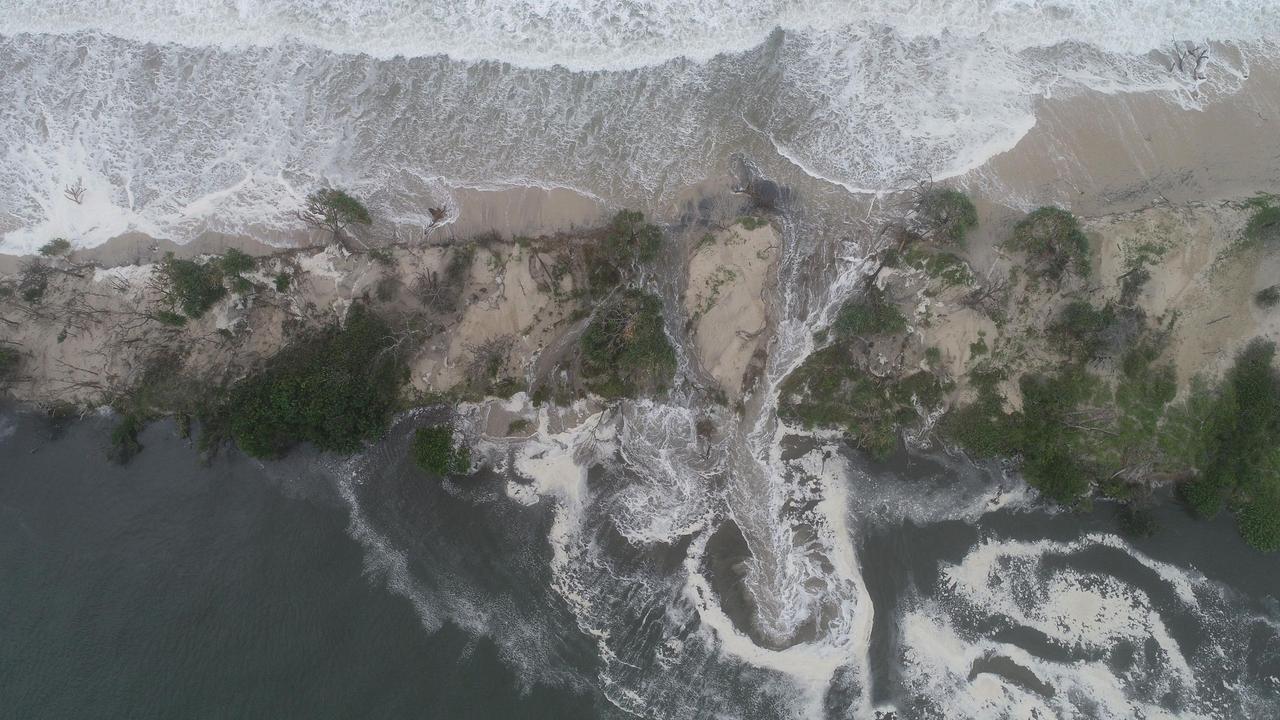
(169, 590)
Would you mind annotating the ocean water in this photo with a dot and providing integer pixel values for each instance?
(184, 117)
(612, 567)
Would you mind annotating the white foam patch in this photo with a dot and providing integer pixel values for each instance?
(1088, 615)
(212, 116)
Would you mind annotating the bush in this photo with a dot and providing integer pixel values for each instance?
(947, 214)
(10, 361)
(435, 451)
(829, 390)
(1080, 331)
(56, 246)
(625, 351)
(235, 262)
(1053, 242)
(33, 281)
(124, 439)
(1267, 297)
(335, 389)
(1264, 226)
(630, 239)
(868, 314)
(1136, 522)
(170, 318)
(282, 282)
(190, 286)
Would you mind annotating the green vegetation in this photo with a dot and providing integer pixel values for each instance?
(235, 262)
(283, 280)
(519, 426)
(1264, 225)
(435, 451)
(625, 351)
(868, 314)
(335, 389)
(56, 246)
(628, 242)
(750, 222)
(334, 210)
(10, 361)
(946, 214)
(1081, 330)
(190, 286)
(33, 281)
(124, 439)
(170, 318)
(1267, 297)
(829, 390)
(1053, 242)
(1240, 466)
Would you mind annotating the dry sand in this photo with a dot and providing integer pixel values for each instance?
(728, 276)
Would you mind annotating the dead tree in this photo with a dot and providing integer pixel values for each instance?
(75, 193)
(989, 298)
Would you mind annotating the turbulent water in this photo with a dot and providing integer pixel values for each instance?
(183, 117)
(615, 558)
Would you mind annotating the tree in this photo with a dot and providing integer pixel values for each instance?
(334, 210)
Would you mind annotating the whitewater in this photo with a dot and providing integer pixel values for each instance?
(185, 118)
(182, 119)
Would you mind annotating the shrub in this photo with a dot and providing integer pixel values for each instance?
(1080, 330)
(33, 281)
(1264, 225)
(124, 439)
(190, 286)
(981, 428)
(1053, 242)
(56, 246)
(519, 425)
(1136, 521)
(10, 361)
(749, 222)
(869, 314)
(829, 390)
(435, 451)
(335, 389)
(1267, 297)
(282, 282)
(334, 210)
(170, 318)
(235, 262)
(630, 239)
(946, 214)
(625, 350)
